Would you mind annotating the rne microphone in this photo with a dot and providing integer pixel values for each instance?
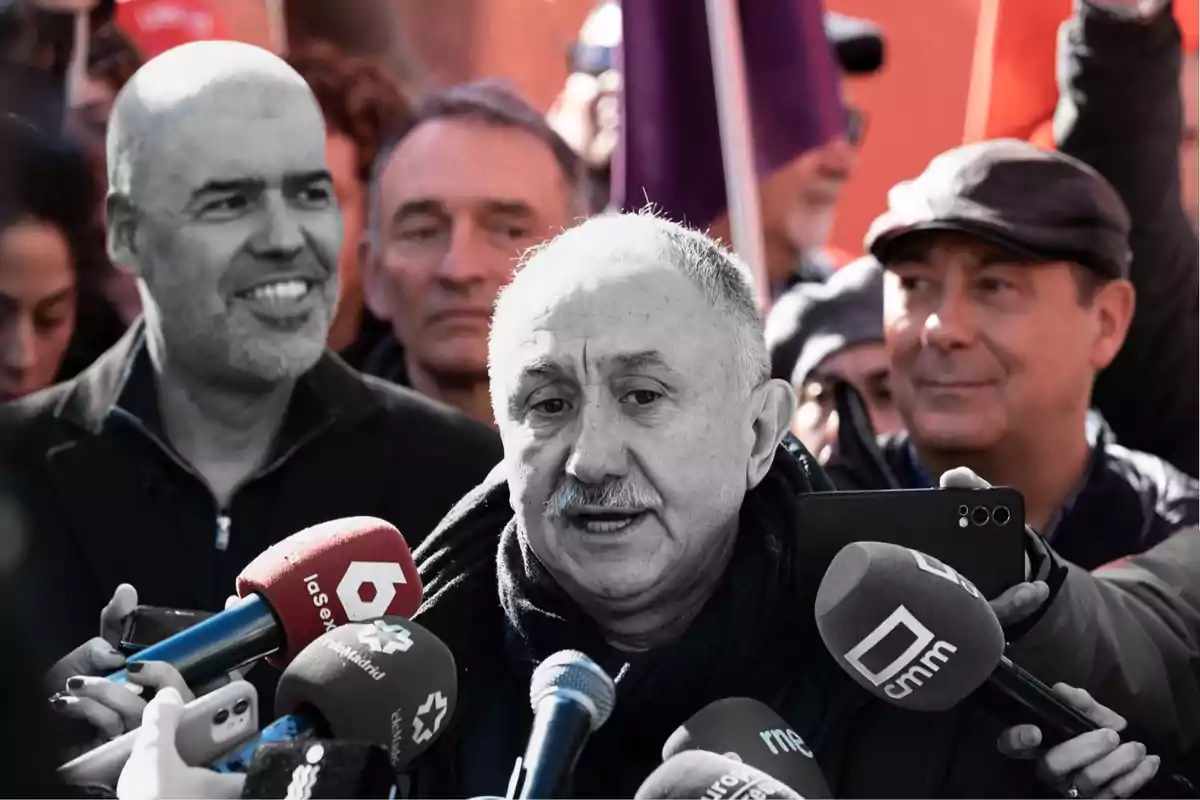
(571, 697)
(748, 731)
(346, 570)
(389, 683)
(914, 632)
(697, 773)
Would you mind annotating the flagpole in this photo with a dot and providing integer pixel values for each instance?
(277, 27)
(737, 141)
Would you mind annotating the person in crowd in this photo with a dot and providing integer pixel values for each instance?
(798, 202)
(1006, 291)
(45, 214)
(113, 302)
(820, 334)
(645, 514)
(477, 180)
(1120, 111)
(219, 424)
(364, 108)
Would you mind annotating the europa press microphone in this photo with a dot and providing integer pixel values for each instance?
(571, 698)
(914, 632)
(750, 732)
(293, 592)
(698, 773)
(388, 685)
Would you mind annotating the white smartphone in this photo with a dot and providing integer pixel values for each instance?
(210, 726)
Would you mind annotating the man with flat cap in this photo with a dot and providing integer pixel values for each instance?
(220, 424)
(1005, 292)
(822, 334)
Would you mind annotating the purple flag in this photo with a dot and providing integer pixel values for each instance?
(670, 151)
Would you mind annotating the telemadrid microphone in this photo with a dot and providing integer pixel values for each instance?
(293, 592)
(571, 697)
(319, 768)
(389, 683)
(748, 731)
(914, 632)
(697, 773)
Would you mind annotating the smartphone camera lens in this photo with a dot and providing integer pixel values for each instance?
(962, 511)
(241, 706)
(980, 515)
(1001, 515)
(220, 717)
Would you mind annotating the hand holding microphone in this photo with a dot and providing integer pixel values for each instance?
(912, 631)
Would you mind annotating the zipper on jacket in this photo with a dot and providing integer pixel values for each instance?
(223, 525)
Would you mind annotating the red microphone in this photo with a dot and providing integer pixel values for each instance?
(346, 570)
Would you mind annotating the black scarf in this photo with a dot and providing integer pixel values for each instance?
(754, 637)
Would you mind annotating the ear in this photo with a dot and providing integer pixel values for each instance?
(122, 224)
(773, 404)
(1113, 307)
(375, 294)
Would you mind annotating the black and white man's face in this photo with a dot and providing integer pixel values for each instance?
(238, 233)
(625, 430)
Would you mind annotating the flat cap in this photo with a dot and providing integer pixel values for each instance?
(1040, 204)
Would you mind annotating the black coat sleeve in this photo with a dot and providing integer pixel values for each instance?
(1120, 112)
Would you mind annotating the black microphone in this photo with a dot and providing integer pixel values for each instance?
(700, 774)
(389, 683)
(571, 698)
(748, 731)
(319, 768)
(914, 632)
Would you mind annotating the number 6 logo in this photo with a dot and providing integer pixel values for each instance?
(382, 575)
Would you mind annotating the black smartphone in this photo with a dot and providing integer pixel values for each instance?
(149, 625)
(979, 532)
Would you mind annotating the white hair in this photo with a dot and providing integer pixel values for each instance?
(722, 278)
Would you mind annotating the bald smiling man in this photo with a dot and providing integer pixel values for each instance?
(219, 425)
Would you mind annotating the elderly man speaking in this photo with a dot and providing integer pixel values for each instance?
(645, 514)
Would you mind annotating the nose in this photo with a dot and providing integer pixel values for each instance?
(466, 259)
(280, 235)
(952, 324)
(598, 454)
(838, 156)
(19, 346)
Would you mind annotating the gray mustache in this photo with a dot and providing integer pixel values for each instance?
(572, 495)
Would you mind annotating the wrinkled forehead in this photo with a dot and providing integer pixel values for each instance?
(585, 326)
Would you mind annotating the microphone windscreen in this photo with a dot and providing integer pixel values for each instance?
(319, 768)
(700, 774)
(907, 627)
(348, 570)
(749, 731)
(389, 682)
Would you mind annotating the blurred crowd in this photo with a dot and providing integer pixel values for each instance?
(136, 409)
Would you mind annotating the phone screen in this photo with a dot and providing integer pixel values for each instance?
(149, 625)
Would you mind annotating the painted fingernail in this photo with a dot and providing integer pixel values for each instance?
(75, 683)
(135, 667)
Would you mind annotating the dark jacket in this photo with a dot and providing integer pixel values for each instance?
(1130, 634)
(490, 600)
(109, 501)
(1120, 112)
(1128, 503)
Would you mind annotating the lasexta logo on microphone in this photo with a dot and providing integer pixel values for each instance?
(381, 576)
(919, 661)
